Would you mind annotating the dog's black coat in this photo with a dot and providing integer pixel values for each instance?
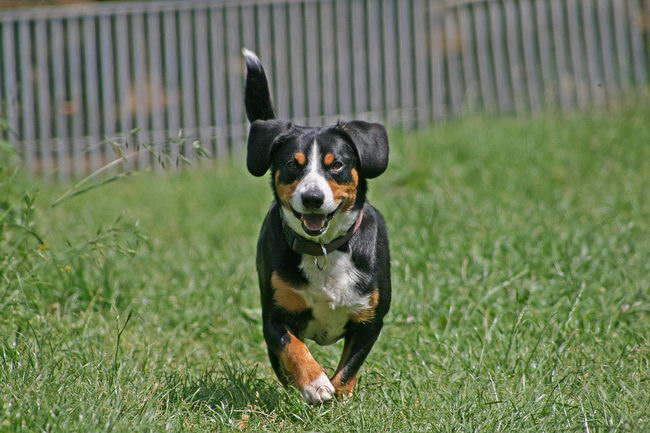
(362, 148)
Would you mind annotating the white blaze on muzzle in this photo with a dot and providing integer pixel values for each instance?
(314, 180)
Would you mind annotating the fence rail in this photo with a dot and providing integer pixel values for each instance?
(71, 76)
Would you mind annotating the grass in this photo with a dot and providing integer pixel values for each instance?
(521, 275)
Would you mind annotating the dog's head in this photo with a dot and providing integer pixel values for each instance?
(318, 173)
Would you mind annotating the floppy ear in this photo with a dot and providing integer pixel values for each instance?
(371, 143)
(262, 140)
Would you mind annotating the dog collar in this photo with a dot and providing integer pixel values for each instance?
(303, 246)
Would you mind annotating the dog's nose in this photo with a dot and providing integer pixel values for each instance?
(312, 199)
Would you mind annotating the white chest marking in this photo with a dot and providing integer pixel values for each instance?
(331, 295)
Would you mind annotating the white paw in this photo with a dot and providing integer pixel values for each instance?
(318, 391)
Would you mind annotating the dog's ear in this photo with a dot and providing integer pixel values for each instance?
(371, 143)
(262, 141)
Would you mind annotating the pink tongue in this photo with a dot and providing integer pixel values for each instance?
(313, 221)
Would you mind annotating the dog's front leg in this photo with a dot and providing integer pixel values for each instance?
(293, 363)
(358, 342)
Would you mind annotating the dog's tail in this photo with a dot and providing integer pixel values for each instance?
(257, 96)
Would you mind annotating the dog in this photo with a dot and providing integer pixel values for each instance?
(323, 261)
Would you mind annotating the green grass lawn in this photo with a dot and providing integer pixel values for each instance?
(521, 281)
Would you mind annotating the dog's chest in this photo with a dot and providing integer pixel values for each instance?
(331, 295)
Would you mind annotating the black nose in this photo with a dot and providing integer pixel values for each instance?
(312, 199)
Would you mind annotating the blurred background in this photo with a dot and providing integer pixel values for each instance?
(79, 79)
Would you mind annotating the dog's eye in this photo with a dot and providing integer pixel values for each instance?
(336, 166)
(292, 164)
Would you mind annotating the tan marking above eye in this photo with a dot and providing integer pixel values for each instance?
(285, 191)
(300, 158)
(328, 159)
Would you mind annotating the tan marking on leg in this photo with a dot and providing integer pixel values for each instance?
(367, 314)
(344, 390)
(285, 296)
(300, 158)
(298, 363)
(285, 191)
(328, 159)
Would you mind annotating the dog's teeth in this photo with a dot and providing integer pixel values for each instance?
(314, 221)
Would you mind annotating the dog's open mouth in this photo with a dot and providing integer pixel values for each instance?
(315, 224)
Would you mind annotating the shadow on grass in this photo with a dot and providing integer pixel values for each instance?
(229, 391)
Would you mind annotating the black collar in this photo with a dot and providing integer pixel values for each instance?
(303, 246)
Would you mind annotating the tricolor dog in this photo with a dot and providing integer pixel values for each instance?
(322, 255)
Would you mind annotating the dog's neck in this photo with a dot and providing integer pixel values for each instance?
(338, 226)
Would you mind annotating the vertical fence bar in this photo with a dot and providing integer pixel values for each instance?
(437, 44)
(622, 45)
(375, 67)
(359, 62)
(297, 62)
(577, 53)
(592, 57)
(75, 98)
(124, 89)
(248, 28)
(58, 80)
(328, 53)
(44, 105)
(607, 48)
(646, 13)
(484, 54)
(281, 61)
(638, 56)
(389, 44)
(549, 84)
(264, 37)
(141, 101)
(156, 88)
(171, 85)
(472, 86)
(234, 72)
(10, 81)
(566, 83)
(422, 96)
(91, 92)
(188, 102)
(107, 80)
(404, 26)
(514, 55)
(203, 78)
(530, 58)
(499, 56)
(313, 60)
(248, 33)
(344, 58)
(28, 134)
(219, 94)
(452, 46)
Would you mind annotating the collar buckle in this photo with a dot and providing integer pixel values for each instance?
(326, 260)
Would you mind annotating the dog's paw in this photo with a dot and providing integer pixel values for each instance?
(318, 391)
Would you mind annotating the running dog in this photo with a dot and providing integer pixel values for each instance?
(322, 256)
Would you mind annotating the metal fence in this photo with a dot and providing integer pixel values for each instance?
(71, 76)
